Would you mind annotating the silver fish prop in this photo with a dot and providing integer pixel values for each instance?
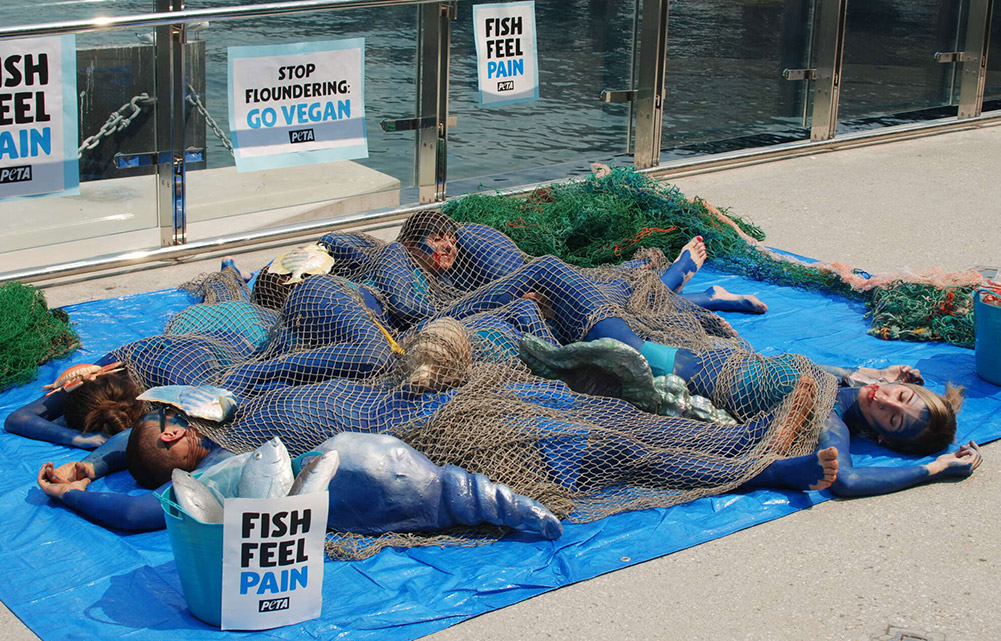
(315, 476)
(202, 401)
(197, 500)
(267, 474)
(310, 259)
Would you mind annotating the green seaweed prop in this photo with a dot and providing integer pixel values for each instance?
(30, 334)
(607, 219)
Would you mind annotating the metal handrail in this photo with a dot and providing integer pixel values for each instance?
(672, 169)
(190, 16)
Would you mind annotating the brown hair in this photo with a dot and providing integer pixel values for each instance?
(147, 463)
(270, 290)
(425, 223)
(940, 429)
(106, 405)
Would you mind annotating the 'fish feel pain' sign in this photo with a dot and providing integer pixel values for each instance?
(38, 116)
(506, 53)
(272, 565)
(297, 103)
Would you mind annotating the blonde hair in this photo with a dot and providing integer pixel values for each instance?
(438, 356)
(940, 429)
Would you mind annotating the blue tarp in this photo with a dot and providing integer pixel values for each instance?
(67, 578)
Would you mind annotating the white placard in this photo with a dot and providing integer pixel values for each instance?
(506, 53)
(298, 103)
(272, 562)
(38, 116)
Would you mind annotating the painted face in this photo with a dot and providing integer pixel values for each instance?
(180, 444)
(436, 253)
(895, 411)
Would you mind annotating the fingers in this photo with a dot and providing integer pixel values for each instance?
(42, 474)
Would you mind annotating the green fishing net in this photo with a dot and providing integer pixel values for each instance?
(608, 219)
(30, 334)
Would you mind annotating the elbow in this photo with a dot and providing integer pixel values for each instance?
(15, 423)
(847, 485)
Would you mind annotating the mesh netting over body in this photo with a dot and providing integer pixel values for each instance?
(383, 345)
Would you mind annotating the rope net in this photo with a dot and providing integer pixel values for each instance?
(30, 333)
(426, 349)
(613, 214)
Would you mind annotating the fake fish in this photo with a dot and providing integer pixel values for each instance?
(311, 259)
(267, 474)
(75, 376)
(196, 499)
(316, 475)
(202, 401)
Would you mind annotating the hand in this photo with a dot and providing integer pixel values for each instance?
(960, 463)
(89, 441)
(542, 301)
(57, 489)
(891, 374)
(69, 472)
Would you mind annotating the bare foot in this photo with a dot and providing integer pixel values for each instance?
(816, 471)
(227, 261)
(828, 461)
(689, 262)
(719, 299)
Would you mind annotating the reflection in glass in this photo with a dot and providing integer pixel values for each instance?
(889, 63)
(724, 74)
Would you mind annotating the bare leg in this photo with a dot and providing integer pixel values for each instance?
(718, 299)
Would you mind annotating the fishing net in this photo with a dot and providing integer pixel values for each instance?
(426, 349)
(610, 216)
(30, 333)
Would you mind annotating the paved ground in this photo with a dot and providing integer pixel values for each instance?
(926, 560)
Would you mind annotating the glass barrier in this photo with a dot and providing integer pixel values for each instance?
(584, 48)
(724, 75)
(115, 210)
(221, 200)
(992, 88)
(889, 62)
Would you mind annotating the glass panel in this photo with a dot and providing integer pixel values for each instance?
(113, 68)
(992, 89)
(725, 88)
(220, 200)
(584, 47)
(889, 63)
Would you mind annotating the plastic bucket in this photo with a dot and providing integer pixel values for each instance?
(198, 554)
(987, 321)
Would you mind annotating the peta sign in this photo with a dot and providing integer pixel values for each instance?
(297, 103)
(272, 567)
(38, 117)
(506, 53)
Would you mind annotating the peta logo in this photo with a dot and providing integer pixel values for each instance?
(15, 174)
(272, 605)
(505, 85)
(301, 135)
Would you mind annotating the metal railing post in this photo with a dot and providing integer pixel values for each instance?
(169, 109)
(433, 51)
(829, 53)
(974, 58)
(651, 83)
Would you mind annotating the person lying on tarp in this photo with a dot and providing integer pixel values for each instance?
(890, 406)
(584, 444)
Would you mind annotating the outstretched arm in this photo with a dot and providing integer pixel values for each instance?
(68, 484)
(42, 420)
(872, 480)
(861, 376)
